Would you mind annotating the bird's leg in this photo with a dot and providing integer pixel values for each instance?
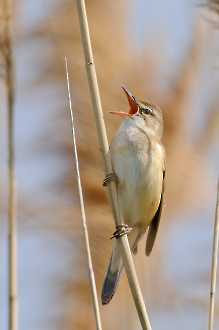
(121, 230)
(110, 177)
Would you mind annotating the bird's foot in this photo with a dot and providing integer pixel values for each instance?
(109, 178)
(121, 230)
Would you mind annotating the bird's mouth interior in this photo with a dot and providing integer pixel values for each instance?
(132, 101)
(134, 108)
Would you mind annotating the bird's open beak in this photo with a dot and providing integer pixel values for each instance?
(121, 113)
(132, 101)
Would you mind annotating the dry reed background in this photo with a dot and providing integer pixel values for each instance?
(52, 271)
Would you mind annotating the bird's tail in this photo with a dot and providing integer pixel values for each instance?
(112, 276)
(115, 268)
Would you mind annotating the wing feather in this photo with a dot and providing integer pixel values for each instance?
(153, 228)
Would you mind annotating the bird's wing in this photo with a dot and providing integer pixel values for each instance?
(153, 228)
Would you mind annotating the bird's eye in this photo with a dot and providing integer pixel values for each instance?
(146, 111)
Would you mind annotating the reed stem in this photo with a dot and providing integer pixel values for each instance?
(214, 265)
(83, 214)
(103, 141)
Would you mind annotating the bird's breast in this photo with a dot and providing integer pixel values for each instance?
(138, 163)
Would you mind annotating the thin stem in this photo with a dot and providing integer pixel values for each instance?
(101, 129)
(83, 214)
(214, 264)
(12, 246)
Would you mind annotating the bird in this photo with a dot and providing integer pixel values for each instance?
(138, 169)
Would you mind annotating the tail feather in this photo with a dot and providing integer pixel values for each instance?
(112, 276)
(115, 268)
(109, 286)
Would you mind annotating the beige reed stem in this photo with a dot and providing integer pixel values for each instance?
(214, 264)
(12, 246)
(101, 129)
(83, 214)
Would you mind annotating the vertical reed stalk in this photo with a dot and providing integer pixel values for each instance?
(101, 129)
(12, 246)
(83, 214)
(214, 265)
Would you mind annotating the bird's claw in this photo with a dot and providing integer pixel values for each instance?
(121, 230)
(109, 178)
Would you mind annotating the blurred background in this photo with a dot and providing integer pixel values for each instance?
(164, 52)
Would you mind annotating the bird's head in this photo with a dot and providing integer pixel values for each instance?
(145, 115)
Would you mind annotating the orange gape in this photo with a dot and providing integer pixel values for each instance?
(132, 102)
(133, 105)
